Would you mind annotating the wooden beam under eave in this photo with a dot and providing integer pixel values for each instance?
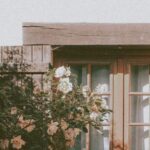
(86, 34)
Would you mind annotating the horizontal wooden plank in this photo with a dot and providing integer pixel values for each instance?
(138, 93)
(139, 124)
(38, 67)
(35, 68)
(86, 34)
(30, 55)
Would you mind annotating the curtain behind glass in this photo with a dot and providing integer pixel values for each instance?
(140, 108)
(81, 72)
(100, 75)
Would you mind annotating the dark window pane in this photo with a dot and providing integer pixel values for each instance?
(81, 73)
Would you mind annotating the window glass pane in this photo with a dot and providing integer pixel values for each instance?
(100, 78)
(140, 78)
(99, 141)
(100, 84)
(107, 99)
(140, 109)
(140, 138)
(81, 72)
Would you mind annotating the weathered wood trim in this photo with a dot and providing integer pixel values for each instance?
(127, 93)
(86, 34)
(118, 106)
(37, 57)
(126, 105)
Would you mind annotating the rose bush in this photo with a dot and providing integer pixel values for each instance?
(51, 118)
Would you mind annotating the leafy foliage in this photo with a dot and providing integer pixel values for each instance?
(32, 118)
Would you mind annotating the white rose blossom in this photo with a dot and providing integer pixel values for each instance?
(59, 72)
(101, 88)
(62, 71)
(64, 85)
(104, 104)
(93, 115)
(68, 72)
(85, 91)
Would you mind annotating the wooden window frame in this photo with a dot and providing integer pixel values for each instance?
(127, 80)
(89, 83)
(120, 60)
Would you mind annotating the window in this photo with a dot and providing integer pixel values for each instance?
(94, 75)
(138, 105)
(125, 81)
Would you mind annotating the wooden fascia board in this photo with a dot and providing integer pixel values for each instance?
(86, 34)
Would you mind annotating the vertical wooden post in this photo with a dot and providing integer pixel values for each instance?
(126, 107)
(118, 106)
(48, 54)
(27, 54)
(89, 85)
